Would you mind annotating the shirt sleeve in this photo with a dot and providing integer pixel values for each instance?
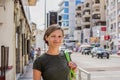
(37, 65)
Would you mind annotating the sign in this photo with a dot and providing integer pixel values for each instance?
(103, 28)
(106, 37)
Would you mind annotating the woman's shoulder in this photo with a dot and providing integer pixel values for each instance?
(41, 58)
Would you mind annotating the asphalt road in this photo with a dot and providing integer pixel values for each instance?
(99, 69)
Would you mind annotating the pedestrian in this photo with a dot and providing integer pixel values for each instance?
(32, 52)
(53, 65)
(38, 52)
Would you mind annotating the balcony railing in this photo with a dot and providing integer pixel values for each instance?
(96, 5)
(87, 14)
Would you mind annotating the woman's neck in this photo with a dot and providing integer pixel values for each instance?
(53, 51)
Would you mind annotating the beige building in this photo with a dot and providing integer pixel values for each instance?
(90, 15)
(15, 33)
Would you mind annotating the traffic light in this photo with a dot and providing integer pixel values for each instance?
(53, 18)
(60, 18)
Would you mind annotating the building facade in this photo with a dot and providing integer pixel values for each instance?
(67, 13)
(113, 23)
(15, 41)
(90, 18)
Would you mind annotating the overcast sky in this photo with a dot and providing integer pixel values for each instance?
(37, 12)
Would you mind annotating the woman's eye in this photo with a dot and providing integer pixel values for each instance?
(56, 36)
(59, 36)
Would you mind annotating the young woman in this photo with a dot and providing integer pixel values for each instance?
(52, 65)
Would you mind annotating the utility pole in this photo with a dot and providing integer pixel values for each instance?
(45, 27)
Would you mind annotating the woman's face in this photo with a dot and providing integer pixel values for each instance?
(55, 38)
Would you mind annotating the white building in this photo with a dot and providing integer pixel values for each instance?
(113, 21)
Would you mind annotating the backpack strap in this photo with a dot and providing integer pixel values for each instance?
(72, 73)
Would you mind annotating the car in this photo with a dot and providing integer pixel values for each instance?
(63, 49)
(99, 52)
(87, 50)
(118, 52)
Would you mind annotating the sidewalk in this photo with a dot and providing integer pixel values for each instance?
(115, 55)
(29, 74)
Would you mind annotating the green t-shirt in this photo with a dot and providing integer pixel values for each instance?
(53, 67)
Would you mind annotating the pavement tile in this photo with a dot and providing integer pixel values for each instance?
(28, 75)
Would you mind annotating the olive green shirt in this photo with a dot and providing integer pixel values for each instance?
(52, 67)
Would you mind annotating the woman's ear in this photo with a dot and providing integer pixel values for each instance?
(46, 38)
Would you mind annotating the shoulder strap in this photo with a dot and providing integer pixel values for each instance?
(72, 73)
(67, 56)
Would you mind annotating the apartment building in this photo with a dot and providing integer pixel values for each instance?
(98, 21)
(113, 23)
(92, 18)
(78, 28)
(67, 13)
(63, 14)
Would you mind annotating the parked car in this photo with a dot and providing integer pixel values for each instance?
(63, 48)
(87, 50)
(118, 52)
(99, 52)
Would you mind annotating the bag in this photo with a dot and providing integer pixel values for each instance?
(72, 73)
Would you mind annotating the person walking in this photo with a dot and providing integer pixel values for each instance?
(32, 53)
(38, 52)
(53, 65)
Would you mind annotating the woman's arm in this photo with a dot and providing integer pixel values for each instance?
(36, 74)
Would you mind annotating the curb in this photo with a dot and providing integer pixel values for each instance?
(115, 55)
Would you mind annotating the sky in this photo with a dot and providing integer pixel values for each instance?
(38, 12)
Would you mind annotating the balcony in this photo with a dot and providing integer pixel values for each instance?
(95, 12)
(79, 23)
(86, 8)
(96, 16)
(32, 2)
(78, 11)
(96, 5)
(78, 18)
(87, 14)
(86, 23)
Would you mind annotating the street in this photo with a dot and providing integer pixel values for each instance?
(100, 69)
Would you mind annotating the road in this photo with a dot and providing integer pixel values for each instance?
(100, 69)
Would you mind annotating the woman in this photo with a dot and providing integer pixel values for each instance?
(52, 65)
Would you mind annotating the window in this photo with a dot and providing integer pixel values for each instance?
(77, 2)
(66, 23)
(66, 3)
(65, 17)
(87, 5)
(97, 1)
(66, 10)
